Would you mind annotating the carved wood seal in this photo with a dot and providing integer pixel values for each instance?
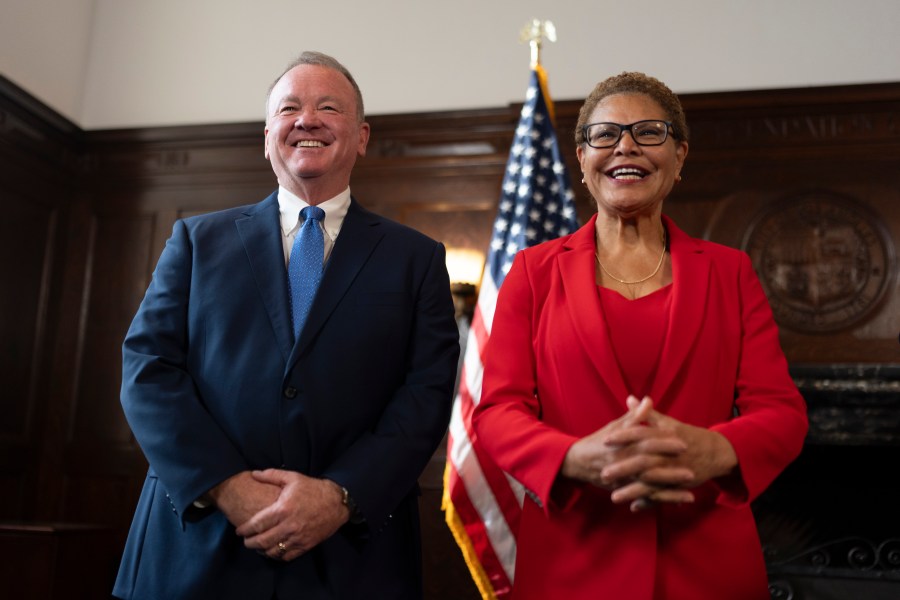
(824, 261)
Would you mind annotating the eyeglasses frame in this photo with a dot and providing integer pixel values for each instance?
(623, 128)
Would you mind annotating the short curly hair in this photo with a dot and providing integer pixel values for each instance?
(633, 82)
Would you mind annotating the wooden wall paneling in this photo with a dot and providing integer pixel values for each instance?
(66, 303)
(38, 165)
(105, 202)
(27, 235)
(433, 162)
(189, 170)
(770, 166)
(458, 211)
(99, 447)
(119, 253)
(55, 561)
(463, 225)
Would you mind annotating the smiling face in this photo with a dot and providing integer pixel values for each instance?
(628, 180)
(313, 134)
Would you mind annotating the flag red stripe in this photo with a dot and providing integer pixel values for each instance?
(504, 498)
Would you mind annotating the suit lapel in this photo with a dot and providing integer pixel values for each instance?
(359, 235)
(690, 292)
(583, 301)
(260, 232)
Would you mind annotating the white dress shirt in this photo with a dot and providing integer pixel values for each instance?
(289, 207)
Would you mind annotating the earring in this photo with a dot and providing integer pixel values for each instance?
(678, 178)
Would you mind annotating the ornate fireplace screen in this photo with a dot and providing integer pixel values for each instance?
(830, 525)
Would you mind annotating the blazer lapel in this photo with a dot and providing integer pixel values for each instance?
(359, 236)
(583, 301)
(690, 292)
(260, 232)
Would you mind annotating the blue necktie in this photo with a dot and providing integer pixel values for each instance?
(305, 265)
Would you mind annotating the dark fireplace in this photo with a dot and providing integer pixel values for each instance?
(830, 524)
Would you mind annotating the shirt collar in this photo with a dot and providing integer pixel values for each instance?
(289, 207)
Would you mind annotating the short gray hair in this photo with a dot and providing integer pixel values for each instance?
(319, 59)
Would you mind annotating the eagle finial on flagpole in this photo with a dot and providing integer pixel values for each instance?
(533, 33)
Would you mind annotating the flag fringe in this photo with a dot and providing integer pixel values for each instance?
(454, 522)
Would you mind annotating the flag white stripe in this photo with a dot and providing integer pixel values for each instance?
(481, 495)
(487, 301)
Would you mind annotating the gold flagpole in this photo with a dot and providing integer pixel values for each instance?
(534, 33)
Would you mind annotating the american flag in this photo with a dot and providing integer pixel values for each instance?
(482, 503)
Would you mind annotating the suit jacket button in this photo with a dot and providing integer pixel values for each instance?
(290, 392)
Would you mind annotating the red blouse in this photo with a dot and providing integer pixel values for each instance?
(637, 330)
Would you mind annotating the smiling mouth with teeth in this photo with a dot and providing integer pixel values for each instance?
(309, 144)
(627, 173)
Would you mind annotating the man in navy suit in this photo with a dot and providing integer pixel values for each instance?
(281, 467)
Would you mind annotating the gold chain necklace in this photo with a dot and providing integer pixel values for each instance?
(655, 271)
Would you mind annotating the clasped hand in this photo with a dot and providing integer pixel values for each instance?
(281, 514)
(645, 457)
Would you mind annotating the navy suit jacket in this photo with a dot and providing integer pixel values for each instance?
(213, 384)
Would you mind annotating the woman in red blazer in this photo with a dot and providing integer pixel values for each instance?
(634, 383)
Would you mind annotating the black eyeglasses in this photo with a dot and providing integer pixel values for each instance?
(645, 133)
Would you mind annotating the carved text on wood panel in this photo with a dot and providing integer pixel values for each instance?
(823, 260)
(801, 129)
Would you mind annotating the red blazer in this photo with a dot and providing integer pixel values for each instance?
(550, 378)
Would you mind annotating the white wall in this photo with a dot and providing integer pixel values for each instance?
(44, 46)
(134, 63)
